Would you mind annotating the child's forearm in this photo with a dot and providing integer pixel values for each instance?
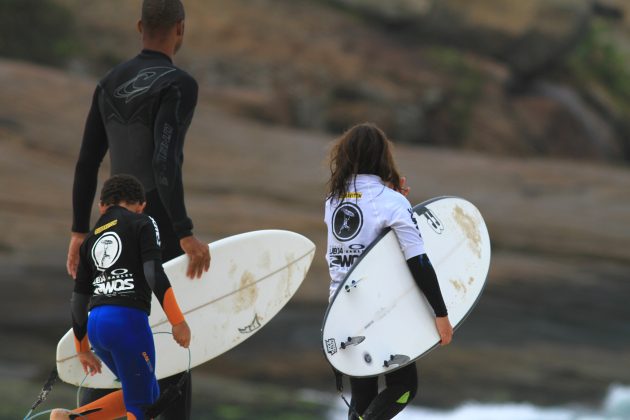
(155, 276)
(426, 279)
(79, 307)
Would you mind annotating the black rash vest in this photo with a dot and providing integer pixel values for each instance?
(140, 112)
(120, 265)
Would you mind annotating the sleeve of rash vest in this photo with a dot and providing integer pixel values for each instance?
(154, 273)
(79, 304)
(171, 123)
(93, 148)
(426, 279)
(83, 290)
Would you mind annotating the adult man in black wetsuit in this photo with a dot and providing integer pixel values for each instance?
(140, 112)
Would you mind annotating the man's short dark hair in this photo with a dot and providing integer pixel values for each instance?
(121, 188)
(160, 15)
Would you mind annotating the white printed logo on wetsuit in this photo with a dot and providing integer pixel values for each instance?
(157, 231)
(141, 83)
(347, 221)
(119, 281)
(106, 250)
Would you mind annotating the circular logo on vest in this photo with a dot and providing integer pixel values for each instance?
(106, 250)
(347, 221)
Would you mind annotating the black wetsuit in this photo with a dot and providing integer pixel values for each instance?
(120, 263)
(140, 112)
(401, 385)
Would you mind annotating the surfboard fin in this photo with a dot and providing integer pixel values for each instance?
(352, 284)
(352, 341)
(396, 360)
(73, 416)
(167, 397)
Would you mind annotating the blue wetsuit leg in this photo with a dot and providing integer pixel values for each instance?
(122, 338)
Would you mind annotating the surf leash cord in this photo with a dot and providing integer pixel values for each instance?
(339, 386)
(43, 395)
(163, 402)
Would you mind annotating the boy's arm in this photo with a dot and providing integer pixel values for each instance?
(158, 282)
(154, 273)
(79, 303)
(79, 306)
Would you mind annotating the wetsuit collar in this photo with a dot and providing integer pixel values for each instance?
(155, 54)
(115, 207)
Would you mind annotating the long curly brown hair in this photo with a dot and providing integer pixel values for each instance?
(363, 149)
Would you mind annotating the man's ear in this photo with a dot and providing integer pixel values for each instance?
(139, 26)
(180, 28)
(141, 207)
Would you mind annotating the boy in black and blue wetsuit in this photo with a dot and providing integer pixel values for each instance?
(120, 265)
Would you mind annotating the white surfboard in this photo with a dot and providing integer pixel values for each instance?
(379, 320)
(251, 277)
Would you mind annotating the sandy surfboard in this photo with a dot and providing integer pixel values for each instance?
(251, 277)
(379, 320)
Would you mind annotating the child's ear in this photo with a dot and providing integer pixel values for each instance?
(102, 208)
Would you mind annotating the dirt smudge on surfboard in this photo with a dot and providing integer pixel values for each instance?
(265, 261)
(459, 286)
(470, 228)
(290, 259)
(247, 292)
(233, 268)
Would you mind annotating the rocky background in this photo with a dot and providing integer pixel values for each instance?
(520, 107)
